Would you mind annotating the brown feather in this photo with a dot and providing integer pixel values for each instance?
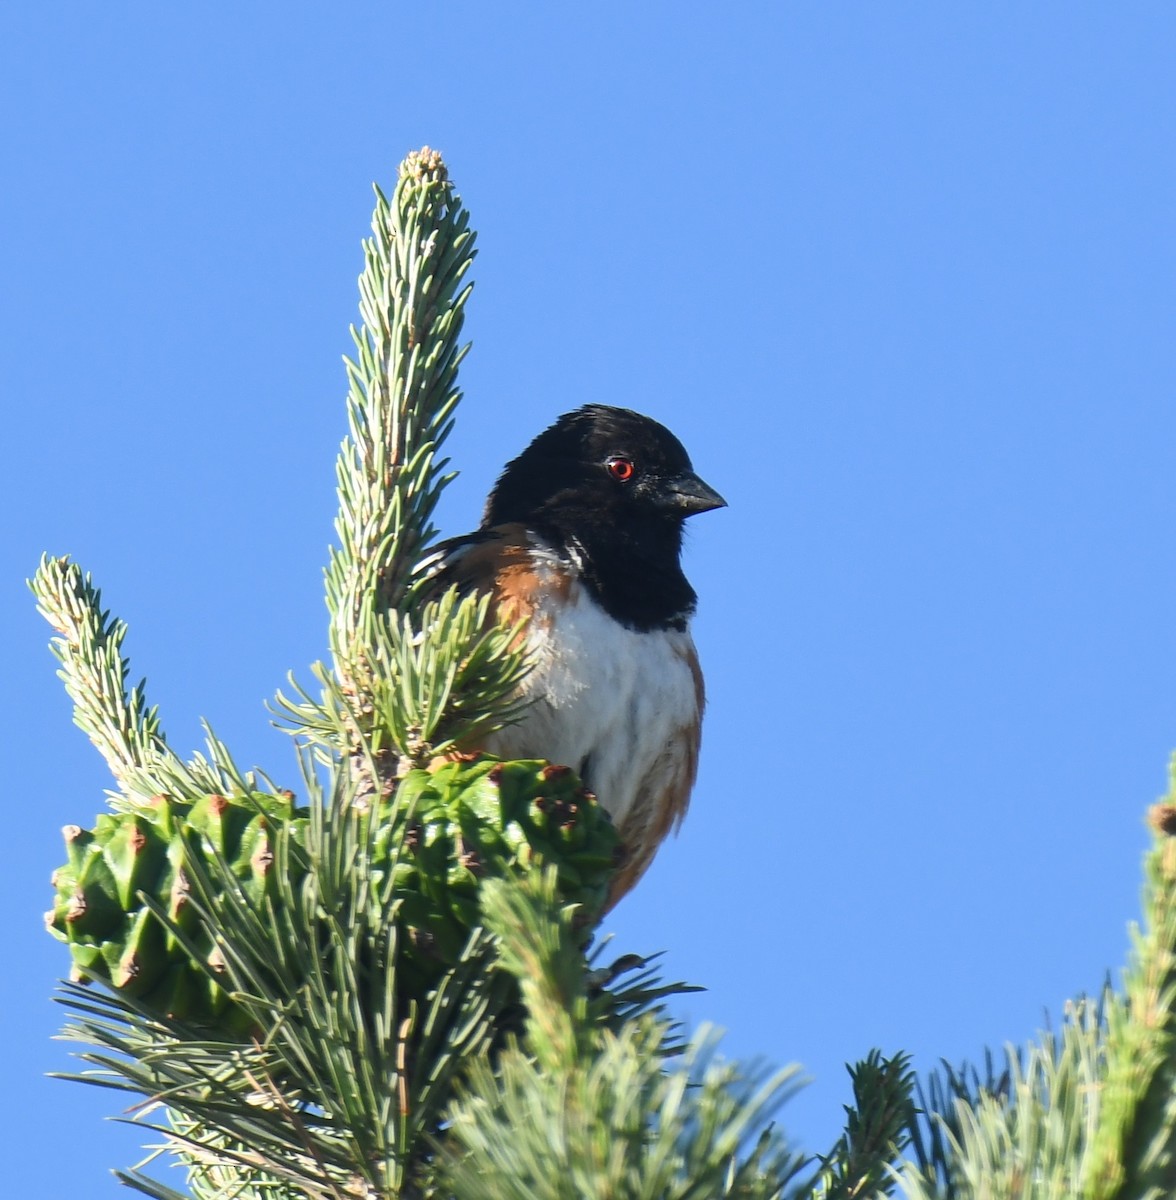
(504, 565)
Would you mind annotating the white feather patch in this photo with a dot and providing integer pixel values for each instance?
(610, 702)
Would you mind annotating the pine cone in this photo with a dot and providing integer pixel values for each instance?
(431, 845)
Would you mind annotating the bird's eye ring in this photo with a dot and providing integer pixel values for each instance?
(620, 468)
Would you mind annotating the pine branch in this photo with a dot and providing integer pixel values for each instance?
(410, 678)
(577, 1110)
(89, 647)
(876, 1130)
(348, 1075)
(401, 403)
(1133, 1154)
(935, 1123)
(402, 396)
(539, 945)
(124, 730)
(1089, 1110)
(1024, 1135)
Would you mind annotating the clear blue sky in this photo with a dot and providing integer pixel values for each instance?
(903, 279)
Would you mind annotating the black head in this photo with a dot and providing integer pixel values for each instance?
(611, 488)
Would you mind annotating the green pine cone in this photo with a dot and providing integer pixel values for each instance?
(114, 937)
(470, 820)
(431, 844)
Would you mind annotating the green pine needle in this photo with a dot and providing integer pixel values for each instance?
(876, 1130)
(577, 1110)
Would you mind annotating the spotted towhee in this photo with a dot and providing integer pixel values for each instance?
(582, 536)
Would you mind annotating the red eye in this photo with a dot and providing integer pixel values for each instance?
(620, 468)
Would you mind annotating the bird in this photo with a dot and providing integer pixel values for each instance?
(581, 538)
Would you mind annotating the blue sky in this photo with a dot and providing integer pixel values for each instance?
(901, 277)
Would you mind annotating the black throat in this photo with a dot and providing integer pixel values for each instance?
(631, 568)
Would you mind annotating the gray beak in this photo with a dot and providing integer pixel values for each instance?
(689, 495)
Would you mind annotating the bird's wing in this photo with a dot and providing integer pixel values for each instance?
(502, 560)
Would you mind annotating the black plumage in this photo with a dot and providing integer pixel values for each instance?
(610, 488)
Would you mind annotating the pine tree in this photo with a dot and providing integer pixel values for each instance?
(389, 990)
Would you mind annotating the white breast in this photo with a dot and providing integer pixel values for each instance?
(609, 702)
